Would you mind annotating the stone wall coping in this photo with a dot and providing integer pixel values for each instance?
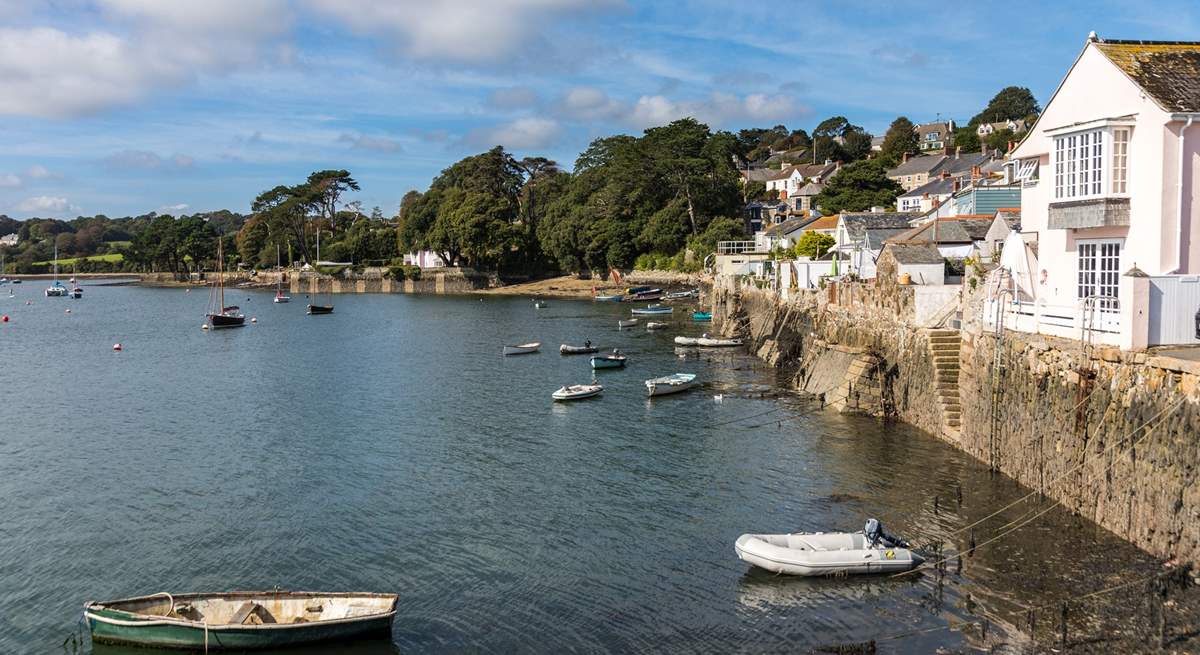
(1174, 364)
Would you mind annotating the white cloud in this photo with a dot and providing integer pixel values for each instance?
(523, 133)
(371, 143)
(460, 31)
(716, 110)
(171, 210)
(38, 172)
(9, 181)
(147, 161)
(590, 103)
(46, 204)
(147, 45)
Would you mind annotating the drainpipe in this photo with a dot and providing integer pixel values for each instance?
(1188, 119)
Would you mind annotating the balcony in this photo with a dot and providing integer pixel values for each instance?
(1094, 212)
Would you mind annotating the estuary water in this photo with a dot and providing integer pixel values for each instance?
(390, 447)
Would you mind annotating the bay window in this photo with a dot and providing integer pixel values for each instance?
(1091, 163)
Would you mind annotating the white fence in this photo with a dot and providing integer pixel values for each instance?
(1040, 317)
(1174, 310)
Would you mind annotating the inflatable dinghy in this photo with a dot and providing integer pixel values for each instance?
(825, 553)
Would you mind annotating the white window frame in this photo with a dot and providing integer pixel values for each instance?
(1100, 281)
(1027, 170)
(1091, 163)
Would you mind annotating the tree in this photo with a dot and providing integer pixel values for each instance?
(900, 139)
(858, 187)
(720, 229)
(814, 244)
(1011, 103)
(999, 139)
(856, 143)
(966, 138)
(323, 190)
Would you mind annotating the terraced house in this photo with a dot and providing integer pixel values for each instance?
(1110, 193)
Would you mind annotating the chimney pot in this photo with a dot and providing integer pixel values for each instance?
(904, 159)
(957, 151)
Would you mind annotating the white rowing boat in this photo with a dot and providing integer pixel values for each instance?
(523, 349)
(653, 325)
(627, 323)
(671, 384)
(577, 391)
(709, 342)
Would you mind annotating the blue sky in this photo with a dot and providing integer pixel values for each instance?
(127, 106)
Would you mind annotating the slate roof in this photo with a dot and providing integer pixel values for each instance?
(962, 164)
(950, 230)
(1012, 217)
(787, 227)
(917, 165)
(810, 189)
(1168, 71)
(858, 223)
(823, 223)
(758, 174)
(875, 239)
(906, 253)
(939, 186)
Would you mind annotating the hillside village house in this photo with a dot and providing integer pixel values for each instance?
(935, 136)
(791, 179)
(1110, 179)
(985, 129)
(9, 240)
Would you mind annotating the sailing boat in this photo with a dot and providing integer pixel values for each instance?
(314, 309)
(279, 297)
(56, 290)
(76, 290)
(220, 316)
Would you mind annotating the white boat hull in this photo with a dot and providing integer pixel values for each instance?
(818, 554)
(523, 349)
(685, 341)
(671, 384)
(578, 392)
(705, 342)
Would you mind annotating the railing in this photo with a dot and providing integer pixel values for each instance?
(736, 247)
(1098, 320)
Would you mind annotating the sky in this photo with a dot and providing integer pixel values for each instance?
(121, 107)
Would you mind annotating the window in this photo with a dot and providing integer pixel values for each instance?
(1099, 271)
(1090, 164)
(1027, 170)
(1120, 159)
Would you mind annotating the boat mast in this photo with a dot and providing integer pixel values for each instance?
(220, 276)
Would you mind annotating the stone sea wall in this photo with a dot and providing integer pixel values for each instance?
(432, 281)
(1068, 422)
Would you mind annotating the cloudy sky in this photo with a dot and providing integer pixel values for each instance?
(128, 106)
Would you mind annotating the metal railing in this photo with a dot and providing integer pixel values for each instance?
(736, 247)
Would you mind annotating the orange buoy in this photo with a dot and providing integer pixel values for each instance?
(117, 347)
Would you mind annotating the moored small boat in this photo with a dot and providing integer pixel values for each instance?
(653, 310)
(539, 304)
(832, 553)
(685, 341)
(701, 316)
(711, 342)
(523, 349)
(614, 298)
(240, 620)
(670, 384)
(228, 317)
(652, 294)
(613, 360)
(585, 349)
(636, 290)
(690, 293)
(653, 325)
(577, 391)
(320, 309)
(627, 323)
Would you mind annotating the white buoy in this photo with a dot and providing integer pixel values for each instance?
(68, 311)
(204, 326)
(117, 347)
(719, 397)
(253, 319)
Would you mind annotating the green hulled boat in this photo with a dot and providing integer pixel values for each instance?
(240, 620)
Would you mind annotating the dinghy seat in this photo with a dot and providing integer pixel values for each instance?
(251, 613)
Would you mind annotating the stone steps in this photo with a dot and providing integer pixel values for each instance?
(945, 347)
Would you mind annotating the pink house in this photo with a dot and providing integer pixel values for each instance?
(1110, 195)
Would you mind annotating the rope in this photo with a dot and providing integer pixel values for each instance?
(1023, 521)
(1069, 471)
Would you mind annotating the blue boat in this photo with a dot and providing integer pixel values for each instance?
(616, 298)
(701, 316)
(613, 360)
(653, 309)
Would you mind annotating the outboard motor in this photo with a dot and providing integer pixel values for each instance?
(876, 536)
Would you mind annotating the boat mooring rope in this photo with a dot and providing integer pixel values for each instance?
(1023, 521)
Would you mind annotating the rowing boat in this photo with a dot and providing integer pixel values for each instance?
(240, 620)
(577, 391)
(671, 384)
(567, 349)
(629, 323)
(653, 310)
(523, 349)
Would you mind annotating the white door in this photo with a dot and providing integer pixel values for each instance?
(1099, 273)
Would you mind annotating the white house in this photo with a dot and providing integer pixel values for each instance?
(1110, 177)
(8, 240)
(424, 259)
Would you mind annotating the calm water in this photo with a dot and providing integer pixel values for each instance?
(389, 447)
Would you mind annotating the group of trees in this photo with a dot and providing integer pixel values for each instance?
(673, 186)
(149, 242)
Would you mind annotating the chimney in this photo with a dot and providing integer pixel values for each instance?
(829, 161)
(1010, 146)
(976, 172)
(945, 174)
(904, 159)
(982, 148)
(957, 151)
